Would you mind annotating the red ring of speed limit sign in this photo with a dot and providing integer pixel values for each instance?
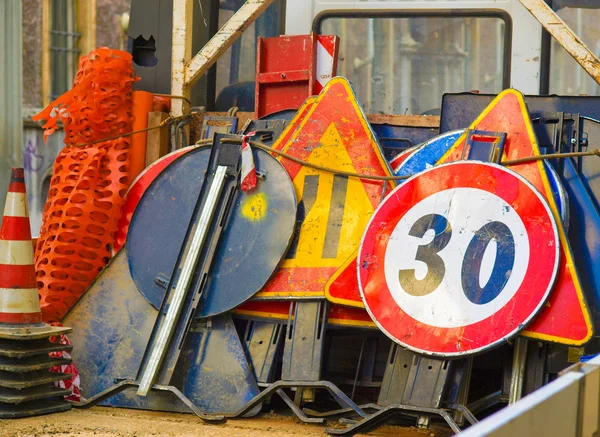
(458, 259)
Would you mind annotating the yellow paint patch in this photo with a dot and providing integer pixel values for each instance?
(255, 207)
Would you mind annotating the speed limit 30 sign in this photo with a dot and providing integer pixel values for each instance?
(458, 259)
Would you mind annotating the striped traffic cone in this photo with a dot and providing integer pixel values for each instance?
(19, 301)
(26, 383)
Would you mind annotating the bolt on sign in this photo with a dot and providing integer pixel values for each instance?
(458, 259)
(333, 209)
(565, 318)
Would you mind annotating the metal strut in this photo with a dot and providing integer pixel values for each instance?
(277, 387)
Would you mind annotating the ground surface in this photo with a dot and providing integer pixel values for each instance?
(111, 422)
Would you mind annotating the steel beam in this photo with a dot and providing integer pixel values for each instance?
(565, 36)
(224, 38)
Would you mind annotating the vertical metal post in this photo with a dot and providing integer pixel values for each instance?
(564, 36)
(191, 259)
(518, 370)
(303, 347)
(181, 53)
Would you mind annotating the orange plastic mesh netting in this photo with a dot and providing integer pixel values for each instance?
(89, 181)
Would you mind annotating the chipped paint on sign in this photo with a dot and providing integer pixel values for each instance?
(567, 319)
(458, 259)
(333, 209)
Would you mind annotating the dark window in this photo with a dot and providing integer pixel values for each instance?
(64, 54)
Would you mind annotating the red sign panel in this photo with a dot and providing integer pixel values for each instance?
(566, 318)
(289, 69)
(458, 259)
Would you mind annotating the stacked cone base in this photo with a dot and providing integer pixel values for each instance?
(26, 383)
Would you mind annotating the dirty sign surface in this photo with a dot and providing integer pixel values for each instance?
(290, 69)
(458, 259)
(333, 209)
(244, 260)
(342, 288)
(565, 318)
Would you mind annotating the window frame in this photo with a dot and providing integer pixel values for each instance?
(431, 13)
(85, 23)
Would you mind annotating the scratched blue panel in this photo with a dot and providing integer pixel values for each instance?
(218, 376)
(584, 235)
(249, 250)
(111, 326)
(431, 152)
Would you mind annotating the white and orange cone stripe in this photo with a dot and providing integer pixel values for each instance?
(327, 55)
(19, 301)
(248, 176)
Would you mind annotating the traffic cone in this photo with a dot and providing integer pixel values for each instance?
(19, 301)
(26, 383)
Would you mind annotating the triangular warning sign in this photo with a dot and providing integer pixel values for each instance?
(333, 209)
(294, 124)
(342, 288)
(565, 318)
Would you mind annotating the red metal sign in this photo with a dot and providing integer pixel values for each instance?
(565, 318)
(333, 209)
(458, 259)
(289, 69)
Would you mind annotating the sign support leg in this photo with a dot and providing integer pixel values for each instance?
(263, 341)
(302, 362)
(418, 385)
(518, 370)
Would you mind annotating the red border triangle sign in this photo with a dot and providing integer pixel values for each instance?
(333, 209)
(565, 318)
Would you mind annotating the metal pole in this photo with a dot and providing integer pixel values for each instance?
(181, 53)
(183, 283)
(565, 36)
(517, 379)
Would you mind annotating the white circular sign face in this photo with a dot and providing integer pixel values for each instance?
(419, 241)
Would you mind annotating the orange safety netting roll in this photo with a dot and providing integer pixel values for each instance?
(89, 181)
